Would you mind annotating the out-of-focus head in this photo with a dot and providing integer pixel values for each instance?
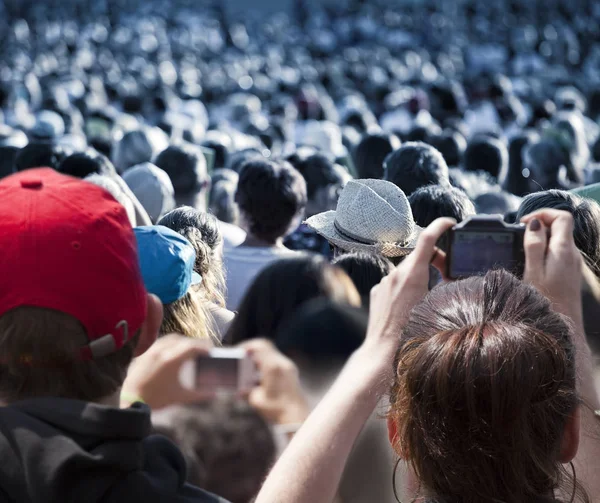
(586, 216)
(366, 270)
(488, 360)
(202, 231)
(452, 146)
(516, 181)
(546, 162)
(370, 154)
(416, 165)
(186, 166)
(271, 197)
(281, 288)
(498, 202)
(434, 201)
(153, 188)
(135, 147)
(38, 155)
(228, 447)
(486, 154)
(83, 164)
(49, 126)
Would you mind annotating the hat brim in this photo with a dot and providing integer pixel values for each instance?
(323, 224)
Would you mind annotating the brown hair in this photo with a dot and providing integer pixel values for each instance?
(189, 317)
(39, 349)
(484, 385)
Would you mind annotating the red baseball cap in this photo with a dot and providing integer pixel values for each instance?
(67, 245)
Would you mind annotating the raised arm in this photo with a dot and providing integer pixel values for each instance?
(311, 467)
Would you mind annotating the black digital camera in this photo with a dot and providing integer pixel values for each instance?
(483, 243)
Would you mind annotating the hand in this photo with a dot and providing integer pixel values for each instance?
(279, 397)
(552, 261)
(154, 376)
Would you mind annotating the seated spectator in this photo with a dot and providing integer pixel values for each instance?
(222, 441)
(83, 164)
(153, 189)
(416, 165)
(365, 270)
(66, 350)
(186, 166)
(281, 288)
(370, 154)
(487, 154)
(373, 216)
(433, 201)
(271, 197)
(202, 231)
(167, 263)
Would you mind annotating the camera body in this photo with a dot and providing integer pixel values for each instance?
(222, 370)
(483, 243)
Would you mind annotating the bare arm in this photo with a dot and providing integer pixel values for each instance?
(311, 467)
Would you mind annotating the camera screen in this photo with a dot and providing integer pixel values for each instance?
(476, 253)
(217, 374)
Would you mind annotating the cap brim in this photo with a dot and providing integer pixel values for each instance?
(323, 224)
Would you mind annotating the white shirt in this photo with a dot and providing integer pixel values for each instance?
(232, 235)
(243, 264)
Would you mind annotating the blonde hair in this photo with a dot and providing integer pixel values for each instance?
(40, 349)
(188, 316)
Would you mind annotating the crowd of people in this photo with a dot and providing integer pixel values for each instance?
(177, 180)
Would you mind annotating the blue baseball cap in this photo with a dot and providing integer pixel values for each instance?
(167, 262)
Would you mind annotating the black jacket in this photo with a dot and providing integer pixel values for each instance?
(57, 450)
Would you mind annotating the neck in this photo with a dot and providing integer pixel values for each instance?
(256, 242)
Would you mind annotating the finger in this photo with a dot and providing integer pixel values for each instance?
(536, 246)
(429, 237)
(547, 216)
(439, 262)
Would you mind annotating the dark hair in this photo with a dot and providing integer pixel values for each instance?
(281, 288)
(545, 158)
(452, 145)
(270, 195)
(202, 231)
(82, 164)
(369, 154)
(515, 181)
(228, 447)
(8, 155)
(318, 171)
(186, 166)
(366, 270)
(499, 202)
(238, 160)
(221, 201)
(416, 165)
(434, 201)
(486, 154)
(219, 147)
(320, 330)
(484, 385)
(586, 216)
(39, 155)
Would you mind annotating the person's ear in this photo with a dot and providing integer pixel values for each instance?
(151, 327)
(570, 439)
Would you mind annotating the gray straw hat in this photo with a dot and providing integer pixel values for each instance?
(372, 216)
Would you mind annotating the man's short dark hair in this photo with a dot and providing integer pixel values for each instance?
(270, 195)
(416, 165)
(82, 164)
(485, 153)
(434, 201)
(370, 153)
(318, 171)
(186, 166)
(39, 155)
(452, 146)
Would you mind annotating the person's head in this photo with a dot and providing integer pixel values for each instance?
(186, 166)
(322, 331)
(57, 337)
(153, 189)
(586, 216)
(82, 164)
(545, 161)
(497, 202)
(571, 130)
(369, 154)
(222, 202)
(484, 405)
(271, 197)
(416, 165)
(202, 231)
(452, 145)
(281, 288)
(167, 262)
(434, 201)
(516, 180)
(366, 270)
(228, 447)
(38, 155)
(324, 181)
(485, 153)
(8, 154)
(135, 147)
